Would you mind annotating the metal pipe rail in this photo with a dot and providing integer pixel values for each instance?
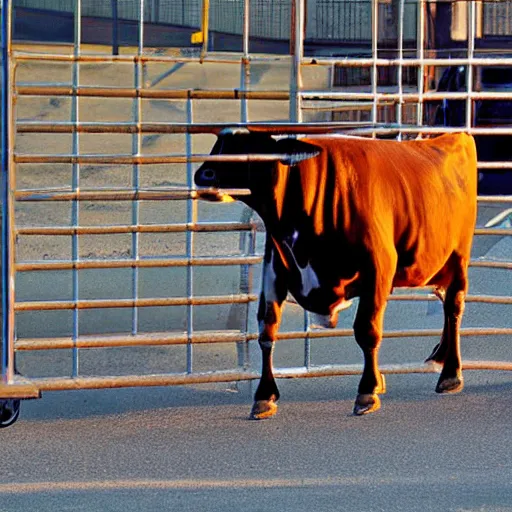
(237, 59)
(205, 301)
(145, 93)
(136, 263)
(203, 227)
(179, 262)
(62, 384)
(168, 339)
(349, 128)
(134, 303)
(238, 94)
(367, 62)
(38, 195)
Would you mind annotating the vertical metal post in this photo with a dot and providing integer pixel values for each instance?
(471, 17)
(191, 219)
(421, 57)
(75, 206)
(297, 34)
(138, 82)
(245, 71)
(375, 54)
(115, 28)
(8, 186)
(307, 340)
(205, 22)
(247, 239)
(399, 107)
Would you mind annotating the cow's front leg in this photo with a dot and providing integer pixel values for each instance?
(272, 296)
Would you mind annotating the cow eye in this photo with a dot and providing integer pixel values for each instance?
(209, 174)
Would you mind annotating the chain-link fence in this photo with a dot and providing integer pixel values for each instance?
(327, 21)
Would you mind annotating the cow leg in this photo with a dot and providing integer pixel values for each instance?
(272, 296)
(368, 333)
(438, 354)
(450, 380)
(368, 327)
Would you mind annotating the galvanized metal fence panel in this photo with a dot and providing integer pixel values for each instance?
(27, 142)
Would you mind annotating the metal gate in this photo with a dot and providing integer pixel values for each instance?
(98, 143)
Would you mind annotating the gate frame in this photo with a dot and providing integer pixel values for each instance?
(13, 386)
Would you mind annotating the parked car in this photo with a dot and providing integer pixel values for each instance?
(490, 148)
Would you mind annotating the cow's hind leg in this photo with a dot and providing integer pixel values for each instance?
(438, 354)
(368, 334)
(450, 380)
(368, 327)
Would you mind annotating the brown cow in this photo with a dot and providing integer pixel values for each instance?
(351, 217)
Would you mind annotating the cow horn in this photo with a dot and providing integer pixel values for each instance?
(234, 130)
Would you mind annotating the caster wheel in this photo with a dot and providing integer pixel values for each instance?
(9, 412)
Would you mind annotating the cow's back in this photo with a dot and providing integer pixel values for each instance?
(419, 196)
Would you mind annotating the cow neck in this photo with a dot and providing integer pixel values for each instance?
(268, 195)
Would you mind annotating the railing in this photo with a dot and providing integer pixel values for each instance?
(300, 101)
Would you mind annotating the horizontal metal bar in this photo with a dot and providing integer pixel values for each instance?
(237, 94)
(181, 128)
(428, 130)
(440, 62)
(143, 58)
(169, 379)
(68, 383)
(491, 264)
(411, 333)
(177, 228)
(143, 160)
(178, 262)
(209, 261)
(496, 165)
(171, 128)
(322, 95)
(493, 231)
(133, 303)
(345, 370)
(487, 299)
(19, 388)
(122, 195)
(165, 338)
(144, 228)
(145, 93)
(494, 199)
(238, 58)
(129, 340)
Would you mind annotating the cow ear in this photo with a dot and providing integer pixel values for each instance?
(296, 150)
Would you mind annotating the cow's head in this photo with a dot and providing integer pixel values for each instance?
(248, 175)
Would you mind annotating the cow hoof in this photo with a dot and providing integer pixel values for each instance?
(263, 409)
(366, 403)
(450, 385)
